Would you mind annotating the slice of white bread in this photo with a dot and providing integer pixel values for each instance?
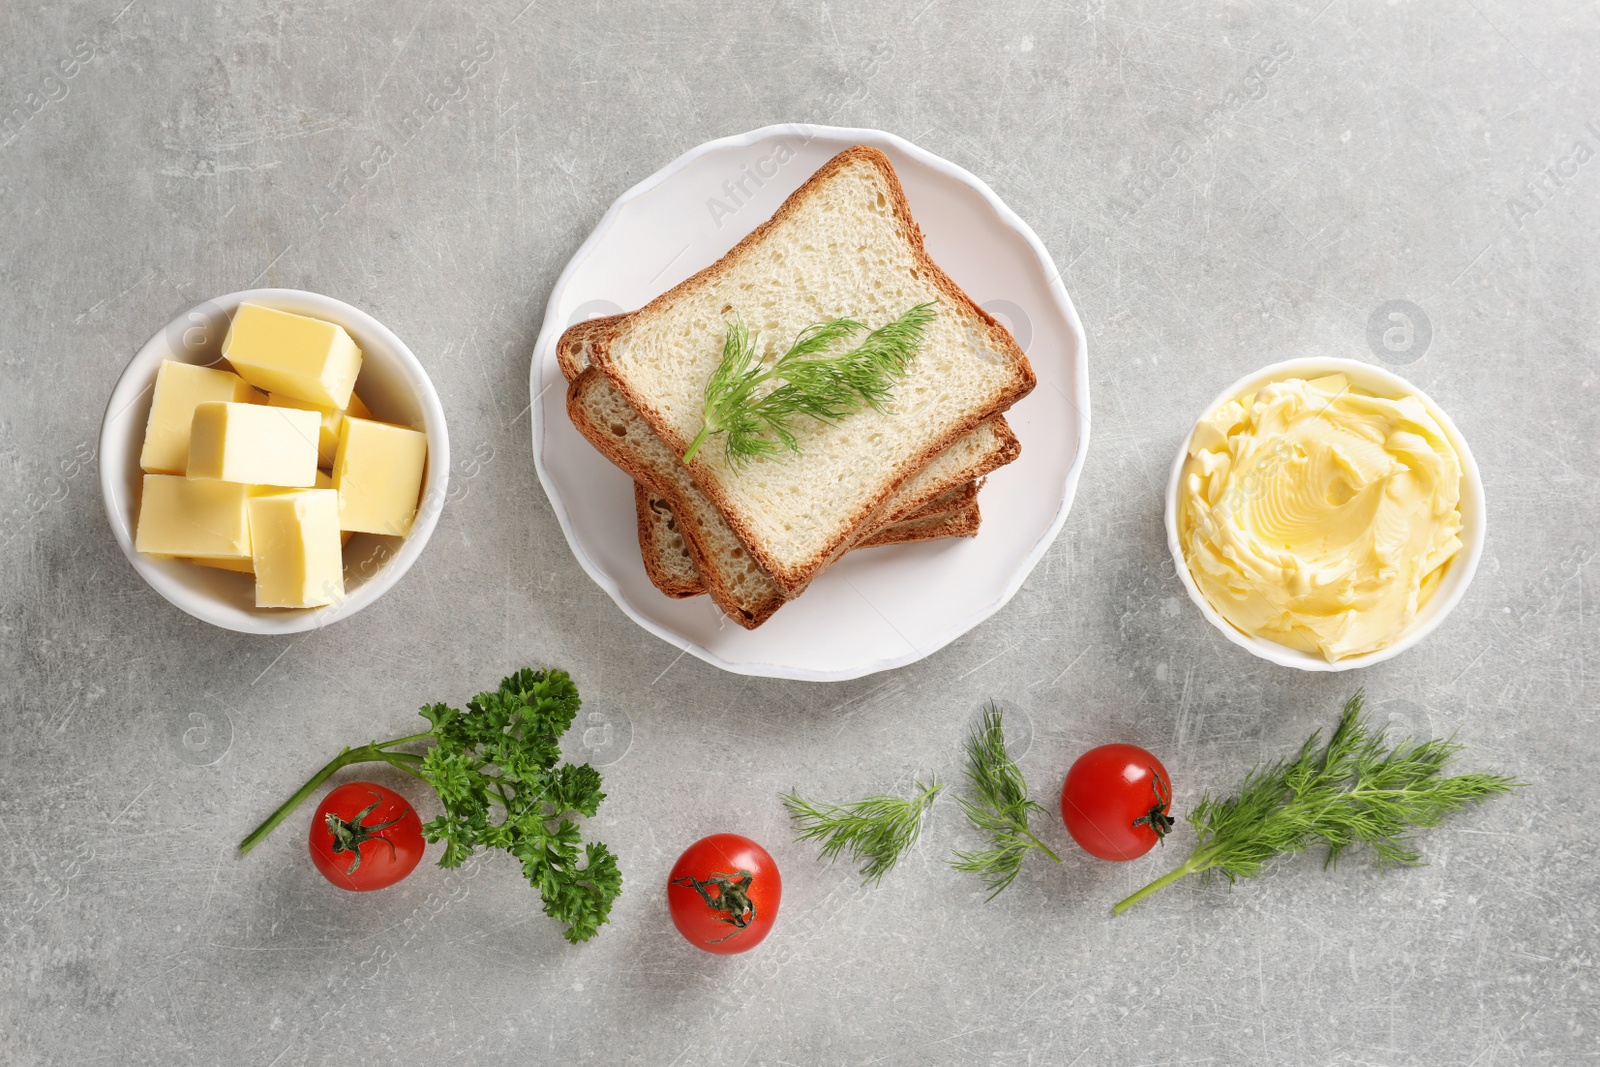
(989, 448)
(844, 244)
(671, 569)
(962, 523)
(740, 596)
(572, 347)
(740, 586)
(666, 554)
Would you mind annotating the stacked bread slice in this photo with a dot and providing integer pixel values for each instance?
(752, 535)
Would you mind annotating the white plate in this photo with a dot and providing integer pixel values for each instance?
(876, 608)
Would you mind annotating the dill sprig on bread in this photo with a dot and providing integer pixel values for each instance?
(810, 383)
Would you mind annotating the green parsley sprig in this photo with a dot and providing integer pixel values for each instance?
(875, 830)
(1355, 791)
(999, 805)
(757, 416)
(497, 770)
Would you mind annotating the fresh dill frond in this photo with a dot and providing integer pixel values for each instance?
(1355, 790)
(876, 831)
(999, 805)
(755, 406)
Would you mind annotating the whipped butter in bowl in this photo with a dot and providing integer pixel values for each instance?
(1325, 514)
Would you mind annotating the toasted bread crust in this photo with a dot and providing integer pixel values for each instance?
(954, 514)
(793, 578)
(652, 550)
(571, 348)
(748, 612)
(963, 523)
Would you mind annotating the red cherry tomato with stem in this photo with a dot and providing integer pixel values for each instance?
(365, 836)
(723, 893)
(1115, 802)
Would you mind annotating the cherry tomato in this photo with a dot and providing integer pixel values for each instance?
(1115, 802)
(723, 893)
(365, 836)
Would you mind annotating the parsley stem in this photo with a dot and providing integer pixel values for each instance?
(368, 753)
(408, 766)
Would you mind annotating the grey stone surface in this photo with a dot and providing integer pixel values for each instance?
(1439, 152)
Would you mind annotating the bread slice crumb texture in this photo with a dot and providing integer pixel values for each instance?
(734, 580)
(844, 245)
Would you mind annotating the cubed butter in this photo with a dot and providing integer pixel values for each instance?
(244, 565)
(254, 444)
(181, 516)
(240, 564)
(295, 537)
(179, 388)
(378, 472)
(295, 355)
(323, 482)
(328, 435)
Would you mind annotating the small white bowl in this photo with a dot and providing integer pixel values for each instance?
(1378, 382)
(392, 383)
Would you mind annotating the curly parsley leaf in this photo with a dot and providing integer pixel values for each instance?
(497, 770)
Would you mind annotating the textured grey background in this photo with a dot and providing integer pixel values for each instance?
(1423, 151)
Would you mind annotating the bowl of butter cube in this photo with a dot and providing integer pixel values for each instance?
(273, 461)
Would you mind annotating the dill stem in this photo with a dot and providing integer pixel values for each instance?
(1040, 845)
(1195, 862)
(694, 446)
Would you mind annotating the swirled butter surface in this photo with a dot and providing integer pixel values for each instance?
(1319, 516)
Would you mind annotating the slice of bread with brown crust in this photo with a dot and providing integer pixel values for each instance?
(670, 566)
(991, 446)
(963, 523)
(668, 556)
(735, 581)
(667, 560)
(844, 244)
(739, 585)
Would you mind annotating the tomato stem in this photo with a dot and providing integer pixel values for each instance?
(368, 753)
(350, 834)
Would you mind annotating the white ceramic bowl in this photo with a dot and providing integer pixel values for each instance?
(392, 383)
(1378, 382)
